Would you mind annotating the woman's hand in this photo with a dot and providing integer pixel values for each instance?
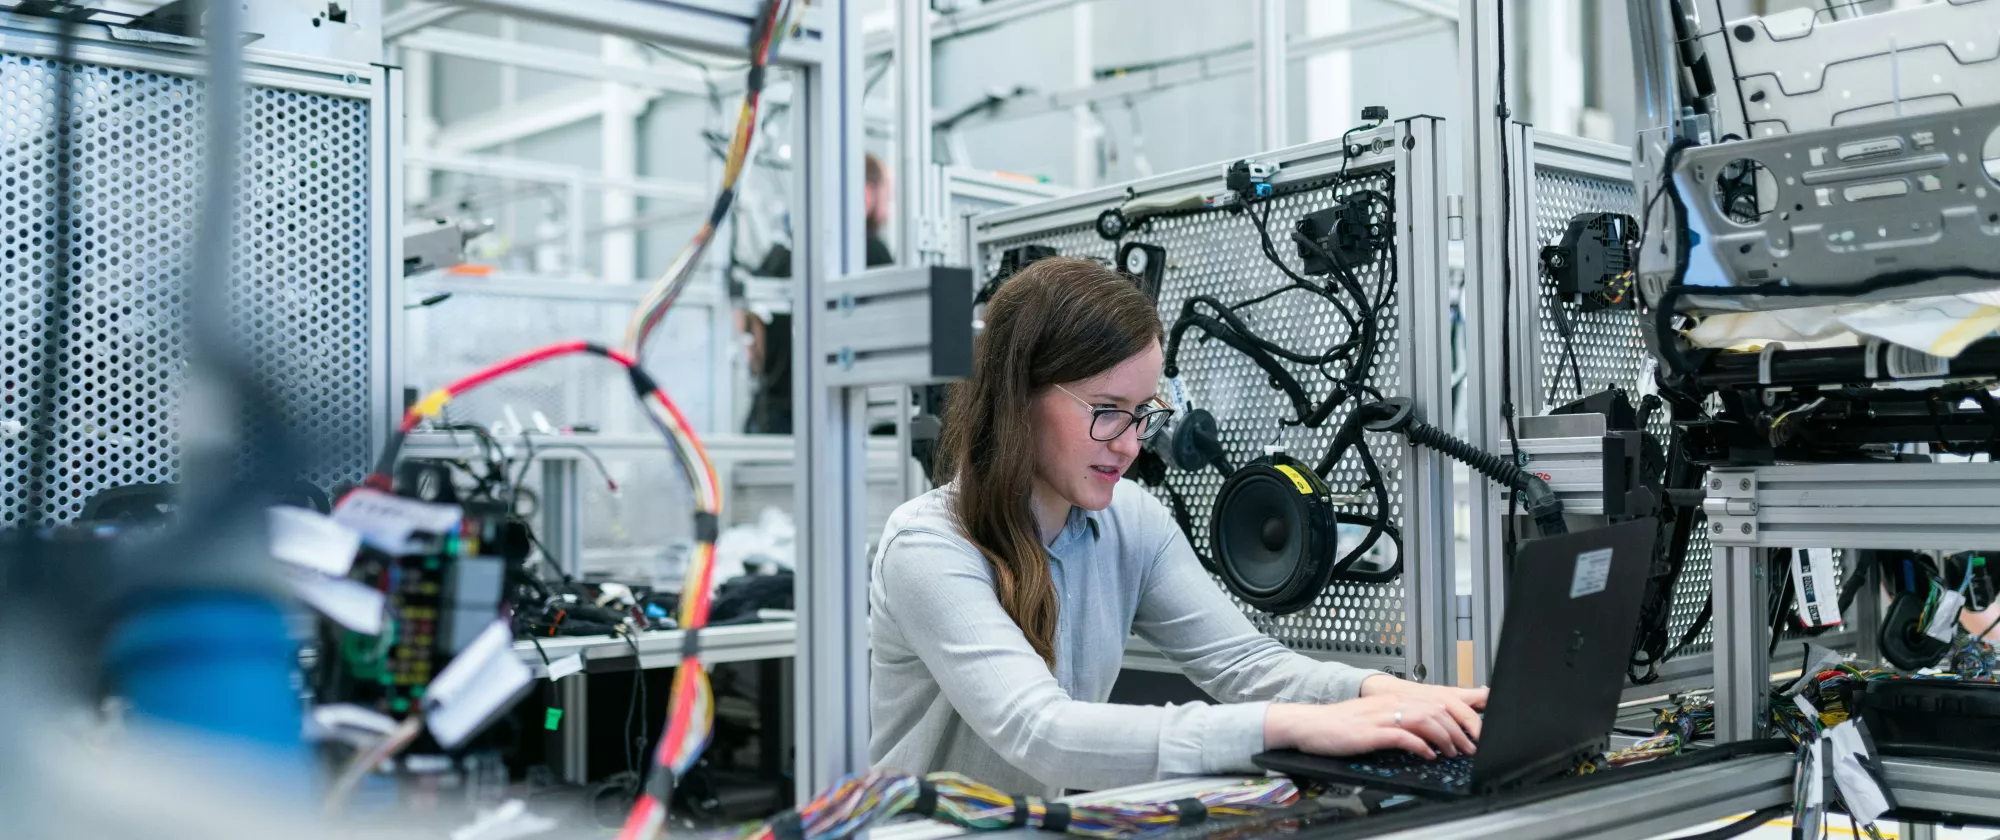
(1381, 684)
(1426, 720)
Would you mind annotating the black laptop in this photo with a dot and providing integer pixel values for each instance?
(1572, 610)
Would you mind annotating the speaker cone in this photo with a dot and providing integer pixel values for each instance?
(1273, 534)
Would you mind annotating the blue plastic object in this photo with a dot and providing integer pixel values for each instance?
(215, 663)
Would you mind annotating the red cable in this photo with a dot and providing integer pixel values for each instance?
(480, 377)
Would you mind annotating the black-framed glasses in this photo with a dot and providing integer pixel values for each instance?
(1106, 424)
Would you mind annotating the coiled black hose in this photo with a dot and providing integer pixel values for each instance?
(1398, 415)
(1498, 469)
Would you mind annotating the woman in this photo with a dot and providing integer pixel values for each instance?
(1001, 602)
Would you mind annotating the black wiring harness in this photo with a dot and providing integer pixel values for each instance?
(1353, 357)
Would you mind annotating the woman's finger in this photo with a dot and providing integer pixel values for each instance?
(1406, 741)
(1433, 729)
(1467, 719)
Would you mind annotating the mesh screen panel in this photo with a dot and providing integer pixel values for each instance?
(1609, 349)
(1219, 254)
(299, 289)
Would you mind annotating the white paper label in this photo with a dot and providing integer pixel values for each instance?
(350, 604)
(1944, 622)
(1593, 573)
(387, 522)
(482, 680)
(306, 539)
(1817, 585)
(1865, 798)
(565, 666)
(1805, 706)
(1177, 395)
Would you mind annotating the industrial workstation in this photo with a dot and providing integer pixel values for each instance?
(789, 419)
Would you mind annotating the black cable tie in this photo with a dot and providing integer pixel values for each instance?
(720, 213)
(1020, 812)
(1191, 810)
(927, 799)
(788, 826)
(642, 382)
(660, 784)
(706, 527)
(1055, 817)
(690, 643)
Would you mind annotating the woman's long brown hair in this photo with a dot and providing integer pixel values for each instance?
(1059, 320)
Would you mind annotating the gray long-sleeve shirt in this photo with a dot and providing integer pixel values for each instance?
(956, 687)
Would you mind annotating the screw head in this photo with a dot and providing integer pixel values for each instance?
(1718, 527)
(846, 357)
(1743, 485)
(1715, 484)
(1746, 527)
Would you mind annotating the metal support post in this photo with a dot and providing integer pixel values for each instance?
(832, 666)
(1917, 831)
(916, 176)
(1431, 644)
(618, 260)
(562, 513)
(574, 736)
(1272, 71)
(1485, 146)
(1742, 636)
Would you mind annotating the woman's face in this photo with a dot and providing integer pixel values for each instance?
(1068, 462)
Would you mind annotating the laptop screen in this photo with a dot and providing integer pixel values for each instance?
(1565, 641)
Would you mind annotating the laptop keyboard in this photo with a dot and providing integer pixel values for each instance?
(1449, 773)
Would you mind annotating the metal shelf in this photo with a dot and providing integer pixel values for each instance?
(662, 648)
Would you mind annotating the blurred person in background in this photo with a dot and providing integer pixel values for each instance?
(770, 344)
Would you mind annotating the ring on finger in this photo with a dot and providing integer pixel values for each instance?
(1397, 718)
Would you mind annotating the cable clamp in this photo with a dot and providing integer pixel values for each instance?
(690, 643)
(787, 826)
(1055, 817)
(1191, 810)
(1764, 361)
(927, 799)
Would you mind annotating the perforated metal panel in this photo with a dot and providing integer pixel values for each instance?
(301, 280)
(1218, 253)
(1608, 346)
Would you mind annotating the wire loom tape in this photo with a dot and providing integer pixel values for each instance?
(1055, 818)
(927, 799)
(1191, 810)
(787, 826)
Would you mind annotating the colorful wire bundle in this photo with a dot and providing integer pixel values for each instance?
(1678, 726)
(653, 308)
(1675, 727)
(860, 801)
(690, 710)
